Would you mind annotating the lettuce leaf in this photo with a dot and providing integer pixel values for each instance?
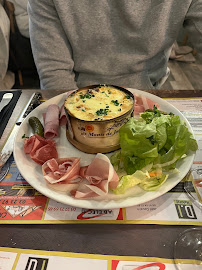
(129, 181)
(153, 183)
(154, 138)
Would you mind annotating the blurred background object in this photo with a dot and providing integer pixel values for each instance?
(182, 53)
(6, 77)
(21, 16)
(21, 61)
(185, 65)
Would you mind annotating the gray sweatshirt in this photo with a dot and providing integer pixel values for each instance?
(123, 42)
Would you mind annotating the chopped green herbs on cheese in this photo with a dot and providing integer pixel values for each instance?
(86, 96)
(99, 103)
(116, 103)
(102, 112)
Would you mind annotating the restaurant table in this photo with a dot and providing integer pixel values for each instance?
(112, 239)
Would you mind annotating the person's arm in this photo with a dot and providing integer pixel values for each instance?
(193, 25)
(51, 49)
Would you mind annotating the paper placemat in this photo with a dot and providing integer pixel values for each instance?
(20, 203)
(23, 259)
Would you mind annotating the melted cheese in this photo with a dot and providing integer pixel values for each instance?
(101, 103)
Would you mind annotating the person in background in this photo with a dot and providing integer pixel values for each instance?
(21, 16)
(122, 42)
(6, 77)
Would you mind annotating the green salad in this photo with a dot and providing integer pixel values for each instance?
(150, 148)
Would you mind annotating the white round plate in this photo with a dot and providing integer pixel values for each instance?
(32, 172)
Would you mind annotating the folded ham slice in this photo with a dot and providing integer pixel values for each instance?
(63, 116)
(62, 173)
(51, 121)
(100, 176)
(65, 174)
(142, 103)
(40, 149)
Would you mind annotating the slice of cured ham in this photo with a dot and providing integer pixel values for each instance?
(100, 176)
(40, 149)
(51, 121)
(63, 116)
(62, 173)
(142, 103)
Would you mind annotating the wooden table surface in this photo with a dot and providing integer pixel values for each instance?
(111, 239)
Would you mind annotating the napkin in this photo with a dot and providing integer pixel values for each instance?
(7, 111)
